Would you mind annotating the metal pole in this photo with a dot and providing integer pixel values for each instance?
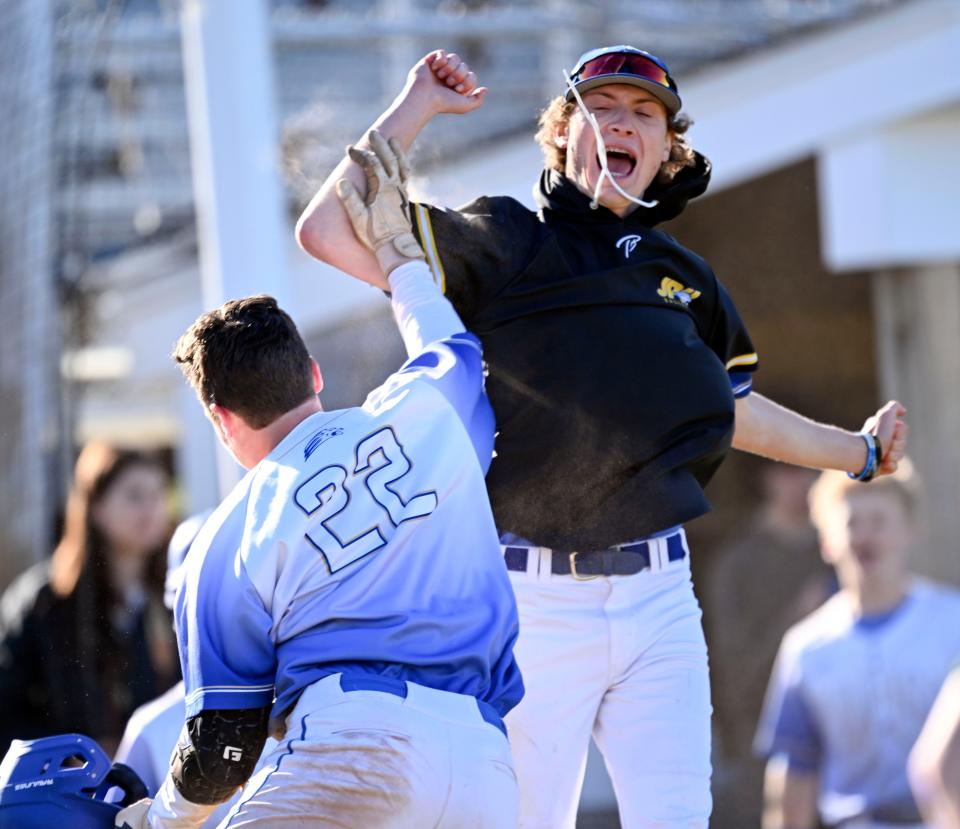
(228, 72)
(39, 430)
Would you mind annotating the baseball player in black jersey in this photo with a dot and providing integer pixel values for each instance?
(620, 373)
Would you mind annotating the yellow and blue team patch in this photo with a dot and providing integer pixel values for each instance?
(676, 292)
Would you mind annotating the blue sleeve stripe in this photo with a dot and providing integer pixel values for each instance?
(228, 701)
(741, 382)
(208, 690)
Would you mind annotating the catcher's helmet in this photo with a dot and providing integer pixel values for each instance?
(61, 781)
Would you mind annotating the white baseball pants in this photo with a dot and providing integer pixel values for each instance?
(379, 761)
(623, 658)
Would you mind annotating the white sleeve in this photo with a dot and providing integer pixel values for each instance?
(171, 810)
(422, 312)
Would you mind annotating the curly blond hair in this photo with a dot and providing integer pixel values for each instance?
(557, 114)
(832, 487)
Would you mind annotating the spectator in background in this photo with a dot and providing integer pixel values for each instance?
(856, 679)
(766, 579)
(934, 764)
(84, 637)
(152, 731)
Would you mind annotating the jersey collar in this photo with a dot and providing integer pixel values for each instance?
(558, 197)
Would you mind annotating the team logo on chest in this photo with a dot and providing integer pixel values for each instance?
(629, 243)
(675, 293)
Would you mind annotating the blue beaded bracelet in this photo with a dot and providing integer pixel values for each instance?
(872, 465)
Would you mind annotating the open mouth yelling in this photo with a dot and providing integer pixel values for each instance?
(620, 162)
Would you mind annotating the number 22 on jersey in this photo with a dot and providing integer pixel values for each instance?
(348, 517)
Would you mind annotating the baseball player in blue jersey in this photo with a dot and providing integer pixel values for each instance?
(855, 680)
(350, 592)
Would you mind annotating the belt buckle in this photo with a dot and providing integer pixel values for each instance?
(573, 569)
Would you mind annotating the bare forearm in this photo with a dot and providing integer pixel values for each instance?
(789, 799)
(765, 428)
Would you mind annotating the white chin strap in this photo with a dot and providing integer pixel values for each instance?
(601, 154)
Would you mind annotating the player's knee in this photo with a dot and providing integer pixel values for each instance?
(221, 753)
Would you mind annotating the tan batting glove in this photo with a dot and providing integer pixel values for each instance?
(380, 220)
(135, 816)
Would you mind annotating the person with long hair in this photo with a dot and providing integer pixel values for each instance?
(84, 636)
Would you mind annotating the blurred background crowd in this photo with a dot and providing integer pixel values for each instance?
(132, 198)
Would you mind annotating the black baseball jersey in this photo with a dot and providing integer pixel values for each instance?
(614, 356)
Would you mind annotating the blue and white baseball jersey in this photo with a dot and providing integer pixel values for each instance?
(363, 543)
(849, 695)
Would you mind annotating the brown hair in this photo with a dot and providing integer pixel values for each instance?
(82, 547)
(248, 357)
(80, 578)
(557, 114)
(833, 486)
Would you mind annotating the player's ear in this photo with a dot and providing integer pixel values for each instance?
(667, 148)
(560, 136)
(317, 376)
(223, 420)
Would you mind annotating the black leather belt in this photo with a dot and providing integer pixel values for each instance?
(623, 560)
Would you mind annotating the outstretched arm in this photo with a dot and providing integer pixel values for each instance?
(440, 82)
(773, 431)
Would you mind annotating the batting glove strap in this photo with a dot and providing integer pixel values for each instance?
(874, 456)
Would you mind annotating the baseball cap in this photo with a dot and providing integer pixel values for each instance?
(629, 65)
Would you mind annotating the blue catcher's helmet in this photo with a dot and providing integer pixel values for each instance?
(62, 781)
